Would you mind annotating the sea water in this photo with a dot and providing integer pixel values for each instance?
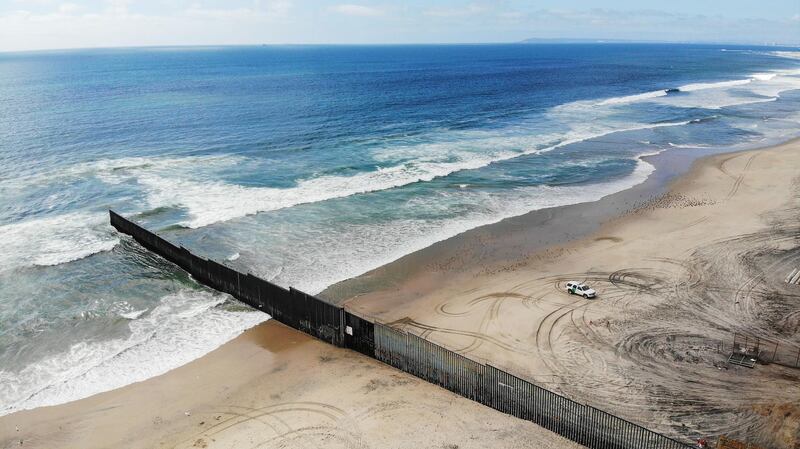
(307, 165)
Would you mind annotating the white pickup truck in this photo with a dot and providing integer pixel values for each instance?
(579, 288)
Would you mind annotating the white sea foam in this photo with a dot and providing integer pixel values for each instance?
(764, 76)
(759, 88)
(54, 240)
(695, 145)
(174, 182)
(193, 183)
(183, 327)
(113, 171)
(717, 85)
(211, 202)
(784, 80)
(339, 254)
(787, 54)
(215, 201)
(132, 315)
(187, 325)
(715, 95)
(633, 98)
(650, 96)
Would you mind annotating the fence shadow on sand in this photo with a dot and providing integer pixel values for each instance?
(486, 384)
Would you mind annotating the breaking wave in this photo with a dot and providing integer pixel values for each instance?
(183, 327)
(210, 201)
(359, 248)
(54, 240)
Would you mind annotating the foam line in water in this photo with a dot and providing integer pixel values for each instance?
(786, 54)
(717, 85)
(211, 202)
(687, 145)
(54, 240)
(358, 248)
(768, 84)
(633, 98)
(183, 327)
(764, 76)
(192, 182)
(184, 181)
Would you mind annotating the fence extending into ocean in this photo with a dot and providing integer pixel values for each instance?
(482, 383)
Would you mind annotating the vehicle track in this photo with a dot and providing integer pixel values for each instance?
(275, 418)
(407, 322)
(738, 179)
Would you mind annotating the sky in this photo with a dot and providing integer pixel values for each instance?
(56, 24)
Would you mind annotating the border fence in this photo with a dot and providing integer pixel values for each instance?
(765, 350)
(486, 384)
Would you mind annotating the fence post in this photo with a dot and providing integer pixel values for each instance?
(415, 355)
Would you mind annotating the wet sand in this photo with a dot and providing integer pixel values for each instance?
(676, 266)
(676, 274)
(514, 239)
(274, 387)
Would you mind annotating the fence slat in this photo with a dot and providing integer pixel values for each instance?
(420, 357)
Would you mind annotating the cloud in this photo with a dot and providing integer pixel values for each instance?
(120, 23)
(260, 11)
(278, 8)
(118, 7)
(34, 2)
(511, 15)
(350, 9)
(649, 24)
(69, 8)
(222, 13)
(466, 11)
(42, 24)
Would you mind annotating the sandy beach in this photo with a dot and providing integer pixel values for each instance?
(678, 267)
(677, 273)
(274, 387)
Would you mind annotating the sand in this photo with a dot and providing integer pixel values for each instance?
(676, 275)
(274, 387)
(677, 268)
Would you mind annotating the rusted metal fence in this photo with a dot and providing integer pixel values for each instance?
(513, 395)
(486, 384)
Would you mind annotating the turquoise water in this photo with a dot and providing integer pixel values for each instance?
(310, 165)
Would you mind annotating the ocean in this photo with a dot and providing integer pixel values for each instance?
(307, 165)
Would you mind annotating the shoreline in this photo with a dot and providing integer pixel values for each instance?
(676, 275)
(495, 251)
(555, 226)
(274, 386)
(667, 165)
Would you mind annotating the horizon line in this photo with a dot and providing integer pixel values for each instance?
(528, 41)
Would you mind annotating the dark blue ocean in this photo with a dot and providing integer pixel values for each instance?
(309, 165)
